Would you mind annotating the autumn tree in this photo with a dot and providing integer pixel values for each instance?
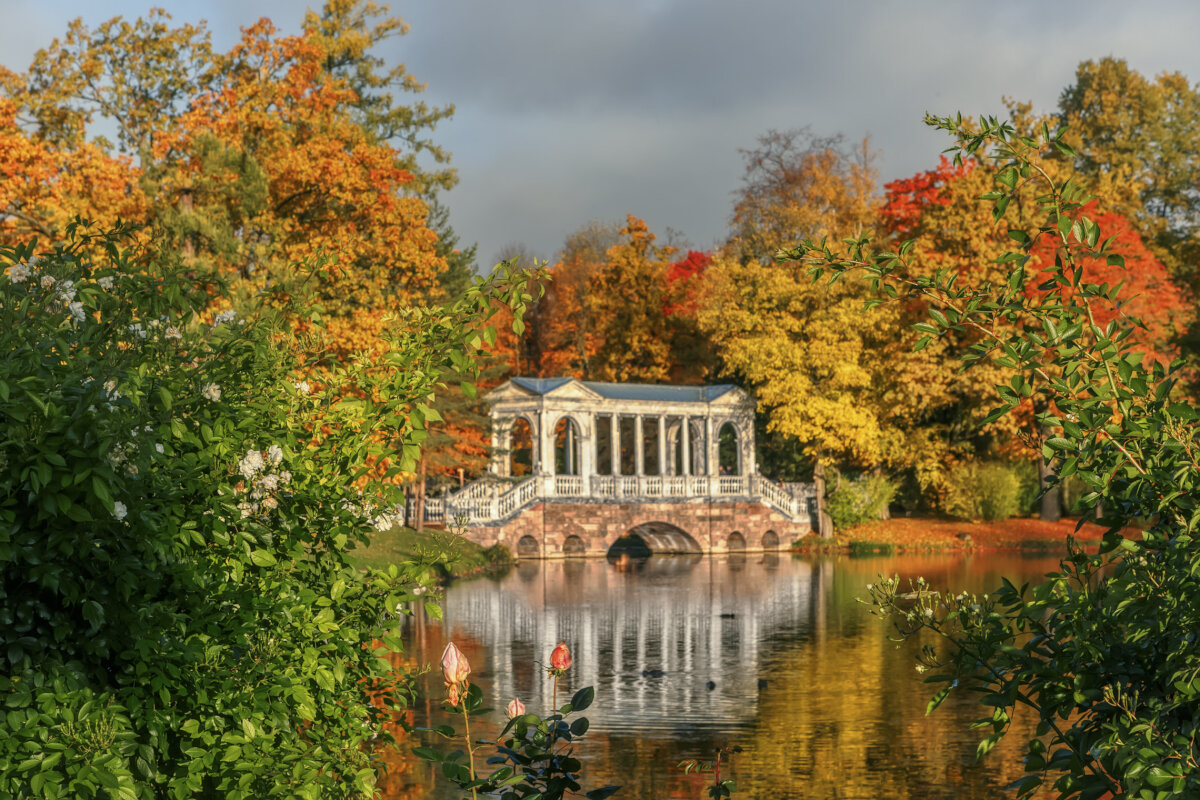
(563, 334)
(693, 357)
(45, 184)
(1139, 139)
(954, 234)
(627, 303)
(349, 32)
(834, 382)
(799, 185)
(283, 150)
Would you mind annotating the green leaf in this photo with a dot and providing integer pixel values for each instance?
(938, 698)
(262, 558)
(100, 489)
(583, 698)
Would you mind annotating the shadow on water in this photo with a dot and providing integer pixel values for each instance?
(687, 653)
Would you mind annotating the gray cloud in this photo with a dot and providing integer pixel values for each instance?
(574, 111)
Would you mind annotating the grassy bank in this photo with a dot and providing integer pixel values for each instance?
(909, 534)
(452, 556)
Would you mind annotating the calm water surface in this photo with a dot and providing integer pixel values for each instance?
(806, 681)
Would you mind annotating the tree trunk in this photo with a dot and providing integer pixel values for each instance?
(420, 504)
(824, 521)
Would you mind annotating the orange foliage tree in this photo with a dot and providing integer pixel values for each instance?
(43, 185)
(953, 231)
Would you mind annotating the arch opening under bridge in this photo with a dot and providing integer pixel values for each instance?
(654, 538)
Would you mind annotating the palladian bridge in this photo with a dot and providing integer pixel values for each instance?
(578, 465)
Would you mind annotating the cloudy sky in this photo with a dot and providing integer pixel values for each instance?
(568, 112)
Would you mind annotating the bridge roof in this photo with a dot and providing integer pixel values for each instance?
(648, 392)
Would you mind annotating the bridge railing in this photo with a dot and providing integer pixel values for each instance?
(496, 500)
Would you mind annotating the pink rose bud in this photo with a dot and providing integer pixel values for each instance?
(454, 694)
(561, 657)
(515, 709)
(455, 667)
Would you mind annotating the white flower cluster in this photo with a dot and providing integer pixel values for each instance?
(211, 391)
(64, 290)
(302, 387)
(19, 272)
(119, 510)
(223, 318)
(263, 483)
(137, 330)
(106, 283)
(380, 519)
(385, 520)
(122, 456)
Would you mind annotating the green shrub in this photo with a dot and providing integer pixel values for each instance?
(178, 613)
(1029, 486)
(854, 502)
(987, 491)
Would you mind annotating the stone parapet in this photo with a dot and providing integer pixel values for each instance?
(559, 528)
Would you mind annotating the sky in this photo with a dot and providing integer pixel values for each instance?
(568, 112)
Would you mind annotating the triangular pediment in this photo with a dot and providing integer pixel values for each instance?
(508, 391)
(572, 390)
(733, 397)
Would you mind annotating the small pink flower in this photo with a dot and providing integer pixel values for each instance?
(515, 709)
(560, 659)
(455, 667)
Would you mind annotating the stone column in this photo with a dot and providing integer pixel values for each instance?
(709, 447)
(614, 463)
(639, 439)
(662, 445)
(587, 451)
(569, 445)
(685, 441)
(751, 452)
(501, 450)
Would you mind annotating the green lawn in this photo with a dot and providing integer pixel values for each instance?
(454, 556)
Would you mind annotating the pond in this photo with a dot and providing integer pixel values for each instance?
(770, 652)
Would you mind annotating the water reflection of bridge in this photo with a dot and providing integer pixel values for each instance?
(695, 619)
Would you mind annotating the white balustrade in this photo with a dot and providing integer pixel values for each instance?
(568, 486)
(604, 486)
(731, 484)
(490, 500)
(435, 510)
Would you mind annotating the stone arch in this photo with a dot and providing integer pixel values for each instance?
(568, 446)
(770, 540)
(528, 547)
(522, 447)
(735, 542)
(729, 449)
(574, 546)
(657, 537)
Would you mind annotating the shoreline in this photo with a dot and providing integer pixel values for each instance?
(940, 535)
